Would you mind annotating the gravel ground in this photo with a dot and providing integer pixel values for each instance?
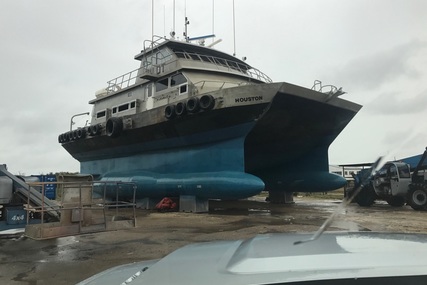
(71, 259)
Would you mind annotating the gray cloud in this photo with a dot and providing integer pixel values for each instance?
(394, 103)
(374, 70)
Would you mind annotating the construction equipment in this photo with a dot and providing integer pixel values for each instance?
(417, 193)
(394, 184)
(28, 193)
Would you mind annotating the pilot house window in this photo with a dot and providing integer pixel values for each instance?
(178, 79)
(162, 84)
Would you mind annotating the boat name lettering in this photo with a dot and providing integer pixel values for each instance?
(248, 99)
(161, 97)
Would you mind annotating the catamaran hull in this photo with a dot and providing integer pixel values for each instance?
(280, 142)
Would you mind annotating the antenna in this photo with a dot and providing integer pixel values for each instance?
(152, 22)
(234, 31)
(164, 21)
(213, 19)
(187, 39)
(173, 30)
(186, 21)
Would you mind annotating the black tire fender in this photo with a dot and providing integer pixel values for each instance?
(69, 136)
(95, 130)
(114, 127)
(170, 112)
(180, 109)
(193, 105)
(207, 102)
(81, 133)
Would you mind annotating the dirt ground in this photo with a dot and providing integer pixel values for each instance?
(69, 260)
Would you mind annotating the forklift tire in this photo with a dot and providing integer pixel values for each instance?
(396, 201)
(417, 198)
(366, 196)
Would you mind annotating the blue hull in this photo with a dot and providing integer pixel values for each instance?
(282, 145)
(206, 185)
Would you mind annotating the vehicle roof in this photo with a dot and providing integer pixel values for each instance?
(274, 258)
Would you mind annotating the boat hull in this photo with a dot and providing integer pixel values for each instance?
(277, 132)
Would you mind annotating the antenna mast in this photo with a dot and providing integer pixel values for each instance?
(164, 21)
(234, 31)
(186, 23)
(173, 18)
(152, 22)
(213, 19)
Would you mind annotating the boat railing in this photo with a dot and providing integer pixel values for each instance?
(153, 43)
(230, 65)
(122, 81)
(328, 89)
(201, 84)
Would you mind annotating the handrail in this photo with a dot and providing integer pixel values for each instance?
(318, 86)
(122, 81)
(128, 79)
(203, 82)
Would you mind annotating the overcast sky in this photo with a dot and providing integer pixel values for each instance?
(56, 54)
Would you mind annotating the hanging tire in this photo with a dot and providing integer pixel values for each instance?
(69, 136)
(207, 102)
(180, 109)
(114, 127)
(74, 135)
(193, 105)
(81, 133)
(417, 197)
(170, 112)
(366, 196)
(65, 137)
(95, 130)
(396, 201)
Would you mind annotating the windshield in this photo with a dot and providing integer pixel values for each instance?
(404, 171)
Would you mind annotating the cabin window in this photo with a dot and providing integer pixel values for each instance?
(163, 56)
(404, 171)
(123, 107)
(183, 89)
(162, 84)
(100, 114)
(178, 79)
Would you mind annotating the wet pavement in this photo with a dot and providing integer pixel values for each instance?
(71, 259)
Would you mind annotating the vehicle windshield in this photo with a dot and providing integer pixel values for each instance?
(404, 171)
